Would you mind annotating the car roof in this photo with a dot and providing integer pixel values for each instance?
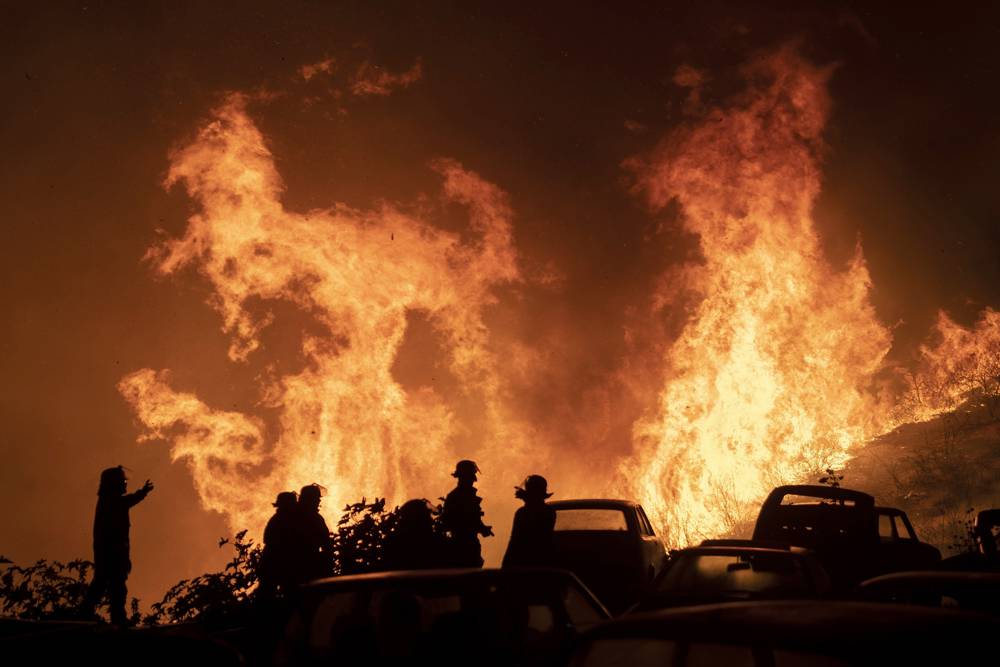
(592, 503)
(763, 544)
(743, 542)
(828, 626)
(934, 577)
(727, 550)
(453, 574)
(819, 491)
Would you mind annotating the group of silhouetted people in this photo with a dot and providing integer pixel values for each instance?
(298, 546)
(297, 542)
(462, 519)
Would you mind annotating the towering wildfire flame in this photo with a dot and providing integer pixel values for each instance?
(769, 375)
(771, 378)
(344, 420)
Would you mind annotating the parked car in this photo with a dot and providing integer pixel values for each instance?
(708, 574)
(972, 591)
(854, 539)
(800, 633)
(610, 545)
(516, 616)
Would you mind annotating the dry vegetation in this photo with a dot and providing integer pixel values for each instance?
(937, 471)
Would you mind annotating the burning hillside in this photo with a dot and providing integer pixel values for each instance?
(778, 370)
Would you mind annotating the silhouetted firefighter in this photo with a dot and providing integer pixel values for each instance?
(314, 545)
(111, 543)
(531, 536)
(278, 569)
(462, 517)
(414, 544)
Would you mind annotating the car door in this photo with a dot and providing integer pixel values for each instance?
(654, 555)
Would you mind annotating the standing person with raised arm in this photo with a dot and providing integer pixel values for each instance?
(111, 543)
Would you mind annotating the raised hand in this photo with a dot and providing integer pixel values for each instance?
(147, 487)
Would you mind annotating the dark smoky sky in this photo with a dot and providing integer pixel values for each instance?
(546, 102)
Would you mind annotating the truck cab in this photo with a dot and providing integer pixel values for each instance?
(853, 538)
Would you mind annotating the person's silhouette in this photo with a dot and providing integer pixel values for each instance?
(314, 547)
(414, 544)
(462, 517)
(277, 562)
(531, 535)
(111, 543)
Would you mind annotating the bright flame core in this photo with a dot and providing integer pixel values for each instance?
(768, 379)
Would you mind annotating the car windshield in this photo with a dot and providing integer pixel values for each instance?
(772, 574)
(590, 519)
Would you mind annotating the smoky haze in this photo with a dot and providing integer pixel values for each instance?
(544, 104)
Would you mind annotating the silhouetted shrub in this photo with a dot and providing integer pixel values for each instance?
(216, 595)
(832, 478)
(357, 548)
(360, 537)
(47, 590)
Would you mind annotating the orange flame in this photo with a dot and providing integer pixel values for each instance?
(344, 420)
(768, 379)
(772, 378)
(963, 365)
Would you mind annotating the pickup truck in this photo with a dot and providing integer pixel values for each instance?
(610, 545)
(853, 538)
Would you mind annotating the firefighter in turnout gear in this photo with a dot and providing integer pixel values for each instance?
(462, 517)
